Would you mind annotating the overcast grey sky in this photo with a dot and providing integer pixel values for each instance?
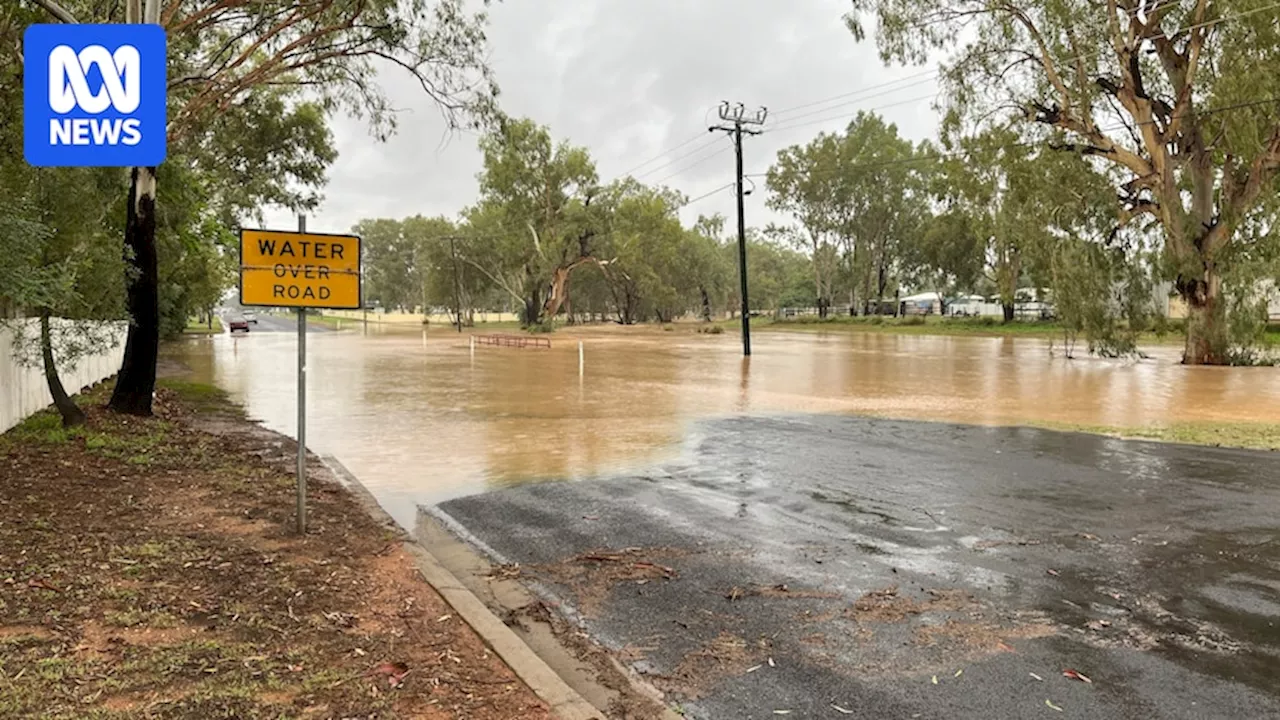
(630, 80)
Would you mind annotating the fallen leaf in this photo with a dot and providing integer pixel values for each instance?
(1037, 677)
(781, 712)
(442, 618)
(1087, 536)
(38, 583)
(959, 672)
(1052, 572)
(841, 710)
(1005, 647)
(754, 668)
(1052, 706)
(771, 663)
(1076, 675)
(395, 672)
(935, 679)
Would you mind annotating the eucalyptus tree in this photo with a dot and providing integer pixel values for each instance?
(1171, 93)
(230, 59)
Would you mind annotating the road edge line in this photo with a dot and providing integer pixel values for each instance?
(564, 701)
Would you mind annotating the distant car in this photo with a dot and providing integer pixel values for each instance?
(251, 317)
(239, 324)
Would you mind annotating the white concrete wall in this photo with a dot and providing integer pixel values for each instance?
(23, 390)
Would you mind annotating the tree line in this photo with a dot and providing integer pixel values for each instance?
(547, 239)
(873, 217)
(1096, 150)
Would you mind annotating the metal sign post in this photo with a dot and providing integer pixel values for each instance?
(302, 407)
(304, 271)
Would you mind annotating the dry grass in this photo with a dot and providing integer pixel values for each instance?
(150, 570)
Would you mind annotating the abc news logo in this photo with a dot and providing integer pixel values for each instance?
(94, 95)
(69, 88)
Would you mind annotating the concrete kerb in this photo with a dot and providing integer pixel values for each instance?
(564, 701)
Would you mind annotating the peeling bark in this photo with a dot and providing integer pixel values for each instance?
(136, 382)
(1206, 320)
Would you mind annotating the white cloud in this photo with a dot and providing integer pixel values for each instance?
(631, 80)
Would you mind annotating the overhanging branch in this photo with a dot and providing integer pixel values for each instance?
(56, 10)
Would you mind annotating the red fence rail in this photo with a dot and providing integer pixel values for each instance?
(516, 341)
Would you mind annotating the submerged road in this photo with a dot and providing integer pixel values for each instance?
(827, 566)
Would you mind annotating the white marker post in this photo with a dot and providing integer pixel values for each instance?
(473, 348)
(302, 407)
(582, 362)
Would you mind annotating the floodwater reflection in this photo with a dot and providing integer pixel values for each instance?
(419, 419)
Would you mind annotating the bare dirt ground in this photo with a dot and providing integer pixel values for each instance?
(149, 568)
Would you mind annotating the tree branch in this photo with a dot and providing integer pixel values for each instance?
(1050, 68)
(56, 10)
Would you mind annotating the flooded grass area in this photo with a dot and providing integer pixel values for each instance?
(424, 418)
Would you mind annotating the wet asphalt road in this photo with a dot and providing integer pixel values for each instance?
(835, 567)
(273, 324)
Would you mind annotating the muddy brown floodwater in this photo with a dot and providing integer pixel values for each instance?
(420, 420)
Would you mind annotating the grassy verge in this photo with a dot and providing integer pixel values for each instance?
(317, 320)
(333, 323)
(1254, 436)
(151, 570)
(195, 327)
(933, 325)
(913, 325)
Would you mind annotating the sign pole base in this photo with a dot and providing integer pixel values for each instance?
(302, 407)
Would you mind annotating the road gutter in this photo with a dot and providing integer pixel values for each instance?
(564, 701)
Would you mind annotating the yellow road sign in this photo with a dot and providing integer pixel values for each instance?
(294, 269)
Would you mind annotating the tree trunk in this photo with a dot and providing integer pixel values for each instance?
(1008, 312)
(1207, 342)
(706, 304)
(629, 303)
(136, 383)
(67, 408)
(532, 312)
(882, 281)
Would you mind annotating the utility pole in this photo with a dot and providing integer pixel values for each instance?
(734, 117)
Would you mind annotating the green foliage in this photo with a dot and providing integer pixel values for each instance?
(1101, 294)
(1165, 97)
(390, 273)
(859, 198)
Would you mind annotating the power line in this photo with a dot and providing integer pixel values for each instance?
(704, 196)
(663, 154)
(1027, 143)
(819, 121)
(921, 77)
(927, 75)
(701, 148)
(691, 166)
